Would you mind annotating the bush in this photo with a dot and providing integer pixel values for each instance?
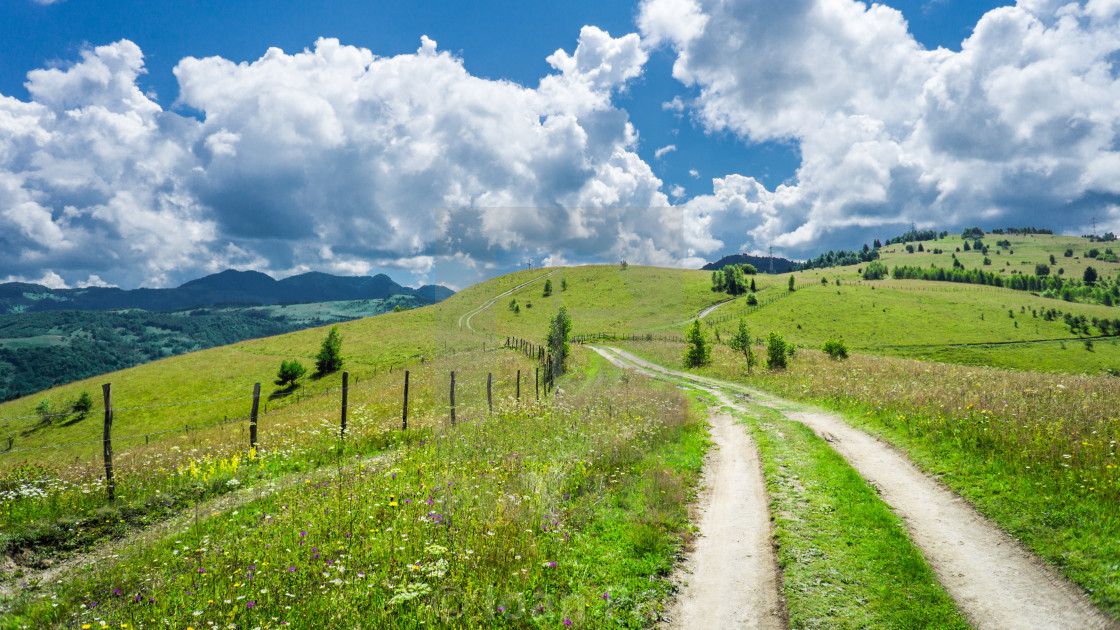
(836, 349)
(329, 358)
(875, 271)
(698, 351)
(752, 300)
(83, 404)
(547, 288)
(791, 281)
(44, 410)
(1090, 276)
(290, 371)
(776, 352)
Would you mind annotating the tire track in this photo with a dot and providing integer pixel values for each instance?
(995, 582)
(730, 579)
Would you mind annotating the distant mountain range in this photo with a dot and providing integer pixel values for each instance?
(762, 263)
(230, 287)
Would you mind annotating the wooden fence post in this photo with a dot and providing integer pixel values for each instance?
(452, 397)
(107, 451)
(537, 381)
(518, 385)
(489, 397)
(253, 416)
(345, 390)
(404, 411)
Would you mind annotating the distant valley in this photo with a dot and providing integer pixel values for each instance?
(50, 337)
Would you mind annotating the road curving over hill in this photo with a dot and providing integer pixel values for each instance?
(465, 318)
(730, 579)
(995, 582)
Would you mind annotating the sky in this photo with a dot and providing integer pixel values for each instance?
(144, 143)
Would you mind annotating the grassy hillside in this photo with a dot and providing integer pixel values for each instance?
(224, 376)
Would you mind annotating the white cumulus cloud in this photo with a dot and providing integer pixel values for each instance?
(1018, 128)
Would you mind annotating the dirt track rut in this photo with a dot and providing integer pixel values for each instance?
(995, 582)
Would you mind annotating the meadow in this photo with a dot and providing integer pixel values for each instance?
(559, 512)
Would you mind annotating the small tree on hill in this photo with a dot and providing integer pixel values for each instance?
(791, 281)
(329, 358)
(290, 371)
(547, 288)
(1090, 276)
(559, 332)
(698, 351)
(741, 342)
(753, 287)
(777, 352)
(752, 299)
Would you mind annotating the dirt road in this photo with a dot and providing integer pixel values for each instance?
(995, 582)
(730, 579)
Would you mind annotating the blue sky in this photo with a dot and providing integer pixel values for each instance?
(849, 93)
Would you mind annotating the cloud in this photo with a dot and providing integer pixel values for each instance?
(669, 148)
(1018, 128)
(330, 158)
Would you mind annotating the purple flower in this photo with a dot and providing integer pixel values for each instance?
(290, 569)
(567, 622)
(251, 604)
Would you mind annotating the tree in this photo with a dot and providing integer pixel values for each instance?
(329, 358)
(752, 299)
(749, 269)
(623, 265)
(754, 289)
(698, 351)
(776, 352)
(741, 342)
(717, 280)
(547, 288)
(559, 332)
(791, 282)
(289, 372)
(1041, 269)
(1090, 276)
(563, 284)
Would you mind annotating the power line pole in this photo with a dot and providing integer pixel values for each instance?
(771, 259)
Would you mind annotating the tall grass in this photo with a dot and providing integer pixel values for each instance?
(564, 512)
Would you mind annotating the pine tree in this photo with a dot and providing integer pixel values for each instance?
(329, 358)
(698, 351)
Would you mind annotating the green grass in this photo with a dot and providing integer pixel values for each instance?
(1036, 453)
(846, 559)
(567, 510)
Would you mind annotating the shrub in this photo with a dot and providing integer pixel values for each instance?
(752, 300)
(82, 405)
(547, 288)
(698, 351)
(622, 264)
(563, 284)
(1068, 253)
(776, 352)
(791, 281)
(44, 409)
(329, 358)
(1043, 270)
(290, 371)
(836, 349)
(875, 271)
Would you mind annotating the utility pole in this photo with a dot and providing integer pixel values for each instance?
(771, 259)
(1094, 226)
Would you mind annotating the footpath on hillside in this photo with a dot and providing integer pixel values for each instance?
(996, 583)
